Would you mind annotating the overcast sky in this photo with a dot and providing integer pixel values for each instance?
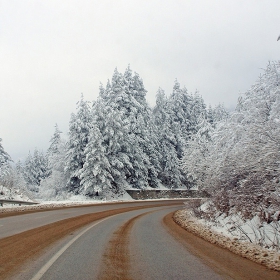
(52, 51)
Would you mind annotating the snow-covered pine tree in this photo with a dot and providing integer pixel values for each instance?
(19, 179)
(197, 109)
(28, 170)
(217, 114)
(5, 166)
(143, 129)
(41, 161)
(170, 174)
(19, 167)
(114, 127)
(79, 128)
(127, 133)
(185, 113)
(36, 169)
(54, 186)
(180, 112)
(55, 142)
(95, 176)
(180, 105)
(57, 152)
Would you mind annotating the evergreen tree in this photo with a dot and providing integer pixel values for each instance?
(55, 142)
(125, 96)
(19, 179)
(197, 109)
(5, 160)
(19, 167)
(57, 152)
(185, 113)
(36, 169)
(217, 114)
(96, 175)
(180, 114)
(116, 139)
(28, 170)
(79, 128)
(142, 132)
(54, 186)
(170, 174)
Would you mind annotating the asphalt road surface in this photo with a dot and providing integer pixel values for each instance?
(109, 242)
(19, 223)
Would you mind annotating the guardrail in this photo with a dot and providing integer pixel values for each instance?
(7, 201)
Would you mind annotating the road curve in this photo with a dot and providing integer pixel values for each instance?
(127, 243)
(18, 248)
(123, 247)
(18, 222)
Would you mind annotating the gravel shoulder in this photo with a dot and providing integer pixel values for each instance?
(255, 253)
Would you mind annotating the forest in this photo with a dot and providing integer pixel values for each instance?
(119, 142)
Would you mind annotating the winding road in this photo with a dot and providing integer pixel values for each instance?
(114, 241)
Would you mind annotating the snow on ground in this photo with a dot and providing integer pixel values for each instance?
(75, 200)
(47, 205)
(222, 237)
(13, 194)
(254, 230)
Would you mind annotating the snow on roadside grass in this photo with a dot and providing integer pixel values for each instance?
(46, 205)
(254, 252)
(70, 201)
(13, 193)
(253, 230)
(75, 200)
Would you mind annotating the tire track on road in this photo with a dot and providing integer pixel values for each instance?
(116, 259)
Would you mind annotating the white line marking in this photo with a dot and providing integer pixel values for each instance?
(44, 269)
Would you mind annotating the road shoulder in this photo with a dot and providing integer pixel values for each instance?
(217, 249)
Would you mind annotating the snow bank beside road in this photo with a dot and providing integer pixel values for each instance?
(47, 205)
(75, 200)
(256, 253)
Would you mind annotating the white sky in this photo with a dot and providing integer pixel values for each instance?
(52, 51)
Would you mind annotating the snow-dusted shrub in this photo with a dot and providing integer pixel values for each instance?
(239, 163)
